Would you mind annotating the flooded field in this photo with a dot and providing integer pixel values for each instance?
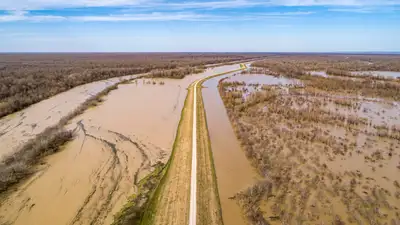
(117, 143)
(319, 73)
(261, 79)
(390, 74)
(233, 170)
(16, 129)
(325, 157)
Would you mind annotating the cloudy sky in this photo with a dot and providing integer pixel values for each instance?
(196, 25)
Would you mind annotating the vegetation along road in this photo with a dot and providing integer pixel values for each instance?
(188, 194)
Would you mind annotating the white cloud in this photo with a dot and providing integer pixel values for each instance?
(208, 5)
(227, 4)
(364, 9)
(148, 17)
(194, 4)
(155, 16)
(297, 13)
(335, 2)
(23, 15)
(352, 10)
(59, 4)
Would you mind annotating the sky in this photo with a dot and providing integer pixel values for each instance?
(199, 26)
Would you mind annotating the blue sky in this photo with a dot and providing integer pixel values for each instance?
(195, 25)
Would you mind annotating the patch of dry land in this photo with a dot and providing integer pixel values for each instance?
(117, 144)
(327, 148)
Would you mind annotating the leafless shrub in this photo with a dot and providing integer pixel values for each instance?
(19, 165)
(288, 139)
(248, 200)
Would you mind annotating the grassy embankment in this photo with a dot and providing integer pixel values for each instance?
(176, 176)
(138, 211)
(208, 202)
(143, 207)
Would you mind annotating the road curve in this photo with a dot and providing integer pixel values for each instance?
(193, 180)
(186, 190)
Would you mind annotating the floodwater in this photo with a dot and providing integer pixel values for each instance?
(261, 79)
(319, 73)
(254, 82)
(233, 170)
(117, 144)
(16, 129)
(378, 113)
(391, 74)
(375, 158)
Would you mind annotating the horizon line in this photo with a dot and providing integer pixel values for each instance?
(226, 52)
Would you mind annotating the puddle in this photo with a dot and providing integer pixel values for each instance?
(234, 171)
(117, 144)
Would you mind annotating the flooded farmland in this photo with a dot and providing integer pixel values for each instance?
(117, 143)
(325, 156)
(16, 129)
(260, 79)
(389, 74)
(233, 170)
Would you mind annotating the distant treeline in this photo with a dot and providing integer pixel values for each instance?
(26, 79)
(177, 73)
(342, 65)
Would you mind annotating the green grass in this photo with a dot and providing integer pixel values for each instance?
(214, 175)
(133, 211)
(152, 206)
(200, 96)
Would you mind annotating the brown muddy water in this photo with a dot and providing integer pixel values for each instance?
(261, 79)
(16, 129)
(117, 143)
(233, 170)
(358, 164)
(319, 73)
(391, 74)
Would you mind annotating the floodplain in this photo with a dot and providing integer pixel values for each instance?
(327, 148)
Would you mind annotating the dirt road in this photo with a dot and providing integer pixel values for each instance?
(189, 183)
